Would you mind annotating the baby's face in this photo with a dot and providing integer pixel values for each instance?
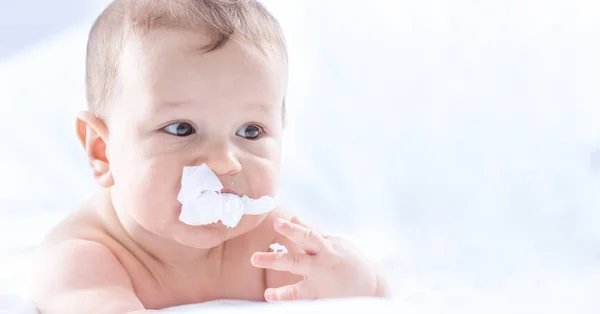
(177, 107)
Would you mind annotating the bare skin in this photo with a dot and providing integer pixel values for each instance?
(125, 250)
(92, 247)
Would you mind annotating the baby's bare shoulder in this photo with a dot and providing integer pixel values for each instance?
(80, 274)
(83, 224)
(78, 237)
(75, 257)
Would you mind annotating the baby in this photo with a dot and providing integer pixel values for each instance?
(175, 84)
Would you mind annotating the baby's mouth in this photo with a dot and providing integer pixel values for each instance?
(230, 191)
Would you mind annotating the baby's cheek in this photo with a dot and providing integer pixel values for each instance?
(148, 189)
(159, 181)
(263, 178)
(268, 149)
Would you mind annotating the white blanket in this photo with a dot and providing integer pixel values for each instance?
(10, 304)
(322, 306)
(476, 304)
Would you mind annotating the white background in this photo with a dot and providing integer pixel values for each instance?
(457, 141)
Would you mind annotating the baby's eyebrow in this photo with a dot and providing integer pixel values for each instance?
(258, 106)
(160, 103)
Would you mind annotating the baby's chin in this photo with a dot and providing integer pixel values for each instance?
(212, 235)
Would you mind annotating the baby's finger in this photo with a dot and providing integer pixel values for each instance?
(298, 221)
(295, 263)
(295, 292)
(310, 241)
(302, 223)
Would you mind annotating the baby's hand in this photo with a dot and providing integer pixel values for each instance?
(331, 266)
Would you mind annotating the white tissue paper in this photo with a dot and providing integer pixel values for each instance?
(276, 247)
(203, 203)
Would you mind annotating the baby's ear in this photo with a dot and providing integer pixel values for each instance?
(93, 135)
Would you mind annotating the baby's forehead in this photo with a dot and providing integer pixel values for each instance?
(164, 40)
(166, 67)
(168, 48)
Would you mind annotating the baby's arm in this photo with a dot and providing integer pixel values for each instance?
(80, 276)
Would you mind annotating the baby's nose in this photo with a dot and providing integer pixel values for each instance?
(222, 159)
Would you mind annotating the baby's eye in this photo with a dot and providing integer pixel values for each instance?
(180, 129)
(251, 132)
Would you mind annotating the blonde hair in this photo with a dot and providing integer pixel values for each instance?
(246, 21)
